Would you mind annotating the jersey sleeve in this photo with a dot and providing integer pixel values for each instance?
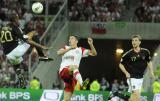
(85, 52)
(124, 59)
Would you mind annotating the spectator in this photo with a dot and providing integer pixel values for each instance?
(115, 86)
(34, 83)
(156, 86)
(95, 86)
(29, 27)
(104, 84)
(39, 26)
(122, 86)
(27, 16)
(56, 85)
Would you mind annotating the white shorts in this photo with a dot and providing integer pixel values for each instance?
(156, 97)
(134, 84)
(15, 56)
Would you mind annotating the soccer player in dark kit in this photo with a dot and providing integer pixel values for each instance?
(133, 64)
(15, 45)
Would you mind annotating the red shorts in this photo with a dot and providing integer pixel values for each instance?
(69, 81)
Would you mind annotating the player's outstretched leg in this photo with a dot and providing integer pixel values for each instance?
(42, 56)
(78, 77)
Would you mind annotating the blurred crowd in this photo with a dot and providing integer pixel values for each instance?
(95, 10)
(7, 74)
(148, 11)
(104, 85)
(112, 10)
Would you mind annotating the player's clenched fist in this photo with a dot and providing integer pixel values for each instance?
(90, 41)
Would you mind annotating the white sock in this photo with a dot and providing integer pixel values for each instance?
(78, 77)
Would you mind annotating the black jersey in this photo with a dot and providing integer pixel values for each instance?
(136, 63)
(10, 36)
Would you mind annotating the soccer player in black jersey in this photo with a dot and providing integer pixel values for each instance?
(133, 64)
(15, 45)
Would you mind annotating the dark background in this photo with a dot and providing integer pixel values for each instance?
(105, 64)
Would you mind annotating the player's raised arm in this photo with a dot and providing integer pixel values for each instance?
(93, 51)
(63, 50)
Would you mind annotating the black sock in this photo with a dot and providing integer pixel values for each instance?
(21, 78)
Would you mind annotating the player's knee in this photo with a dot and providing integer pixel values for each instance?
(73, 67)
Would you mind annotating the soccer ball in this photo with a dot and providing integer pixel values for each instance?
(37, 7)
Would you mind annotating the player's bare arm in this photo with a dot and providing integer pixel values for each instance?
(150, 66)
(30, 41)
(93, 51)
(121, 66)
(63, 51)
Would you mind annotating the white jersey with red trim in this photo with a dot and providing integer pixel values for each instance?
(73, 57)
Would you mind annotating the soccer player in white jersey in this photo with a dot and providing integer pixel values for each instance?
(71, 57)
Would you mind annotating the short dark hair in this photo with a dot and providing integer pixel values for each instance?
(77, 37)
(137, 36)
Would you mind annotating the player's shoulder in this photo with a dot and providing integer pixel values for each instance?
(128, 52)
(146, 50)
(65, 46)
(6, 27)
(9, 25)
